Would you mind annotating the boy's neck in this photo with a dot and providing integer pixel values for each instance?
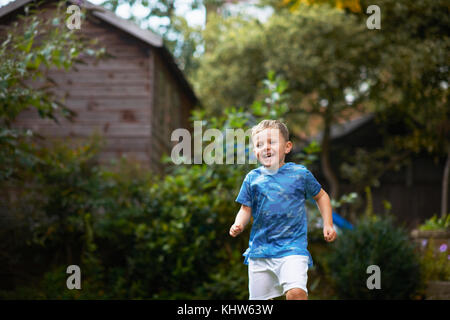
(279, 165)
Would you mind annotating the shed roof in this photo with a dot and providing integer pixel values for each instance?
(338, 130)
(127, 26)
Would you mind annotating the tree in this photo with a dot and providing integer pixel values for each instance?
(294, 5)
(183, 41)
(335, 66)
(326, 56)
(160, 8)
(414, 75)
(187, 47)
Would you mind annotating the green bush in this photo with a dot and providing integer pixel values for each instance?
(229, 280)
(135, 235)
(374, 241)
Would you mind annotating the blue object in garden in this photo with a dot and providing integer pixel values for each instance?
(341, 222)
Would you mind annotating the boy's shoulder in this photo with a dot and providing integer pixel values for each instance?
(297, 167)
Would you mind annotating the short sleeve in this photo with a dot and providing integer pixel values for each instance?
(245, 197)
(312, 186)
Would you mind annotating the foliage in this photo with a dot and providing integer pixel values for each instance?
(184, 41)
(434, 263)
(327, 57)
(134, 234)
(187, 46)
(435, 223)
(295, 5)
(318, 285)
(237, 43)
(409, 94)
(374, 241)
(50, 211)
(164, 9)
(132, 237)
(28, 54)
(310, 154)
(413, 79)
(229, 280)
(336, 67)
(346, 198)
(315, 221)
(240, 51)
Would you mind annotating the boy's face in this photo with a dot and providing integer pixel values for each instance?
(270, 148)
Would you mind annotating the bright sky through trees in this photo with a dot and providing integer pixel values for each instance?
(183, 8)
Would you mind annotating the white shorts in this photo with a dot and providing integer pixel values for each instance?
(273, 277)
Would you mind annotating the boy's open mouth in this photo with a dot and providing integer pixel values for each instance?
(267, 156)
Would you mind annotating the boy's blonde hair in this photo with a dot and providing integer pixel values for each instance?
(272, 124)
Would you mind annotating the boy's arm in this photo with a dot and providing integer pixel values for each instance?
(324, 204)
(242, 219)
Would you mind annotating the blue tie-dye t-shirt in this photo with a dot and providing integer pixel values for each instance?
(277, 199)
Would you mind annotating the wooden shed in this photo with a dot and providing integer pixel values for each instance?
(134, 100)
(414, 190)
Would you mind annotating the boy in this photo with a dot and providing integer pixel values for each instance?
(274, 194)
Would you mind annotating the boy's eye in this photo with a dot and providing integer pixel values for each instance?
(268, 142)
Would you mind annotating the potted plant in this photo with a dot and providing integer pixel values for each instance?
(433, 238)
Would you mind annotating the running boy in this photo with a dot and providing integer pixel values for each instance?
(275, 194)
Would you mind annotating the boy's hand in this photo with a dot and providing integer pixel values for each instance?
(236, 229)
(329, 233)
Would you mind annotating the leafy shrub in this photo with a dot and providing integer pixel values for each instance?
(134, 234)
(229, 280)
(374, 241)
(435, 223)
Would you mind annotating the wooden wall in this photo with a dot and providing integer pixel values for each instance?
(132, 100)
(414, 191)
(171, 110)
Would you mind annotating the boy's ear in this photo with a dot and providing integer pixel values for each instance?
(289, 146)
